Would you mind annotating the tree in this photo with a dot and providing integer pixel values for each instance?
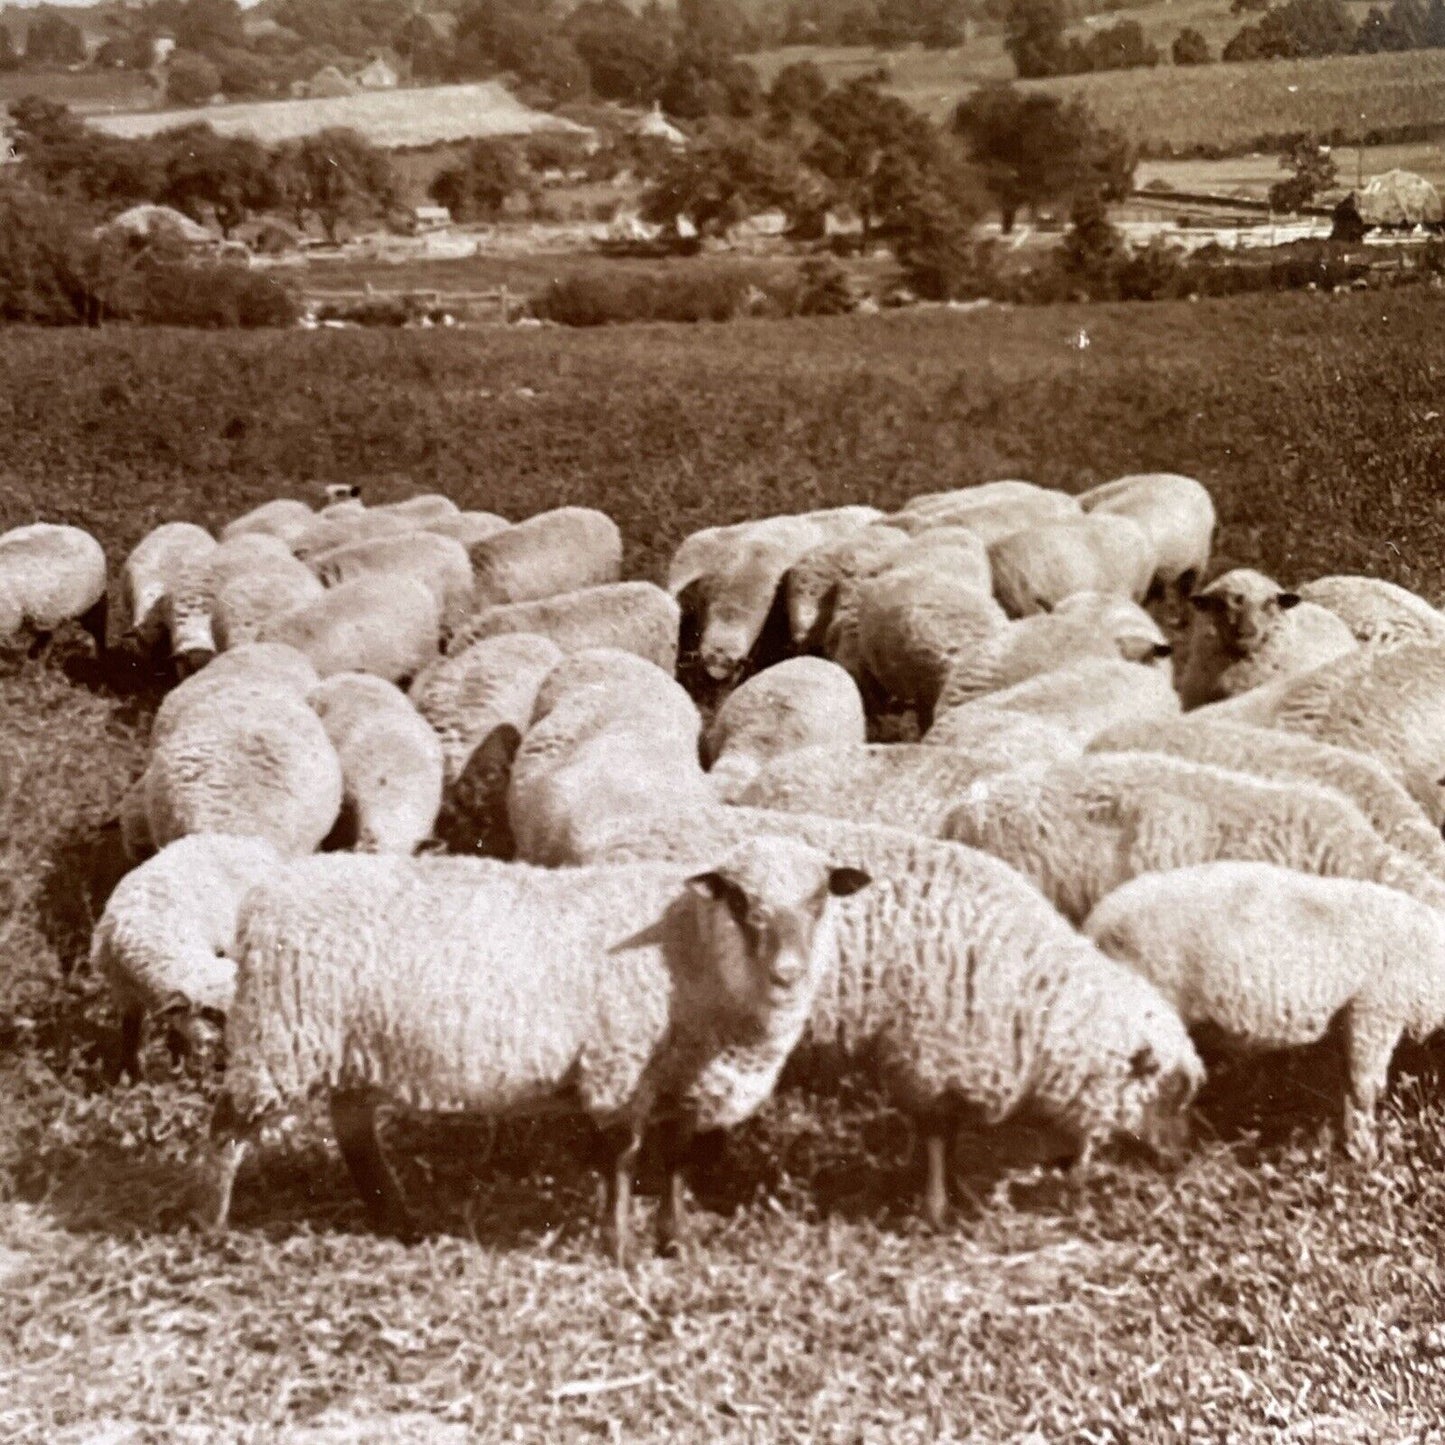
(1403, 27)
(1311, 170)
(231, 176)
(933, 233)
(1435, 24)
(1034, 149)
(521, 37)
(1190, 48)
(715, 27)
(52, 40)
(208, 27)
(1295, 29)
(1121, 47)
(480, 185)
(797, 90)
(866, 145)
(1034, 37)
(1247, 43)
(191, 79)
(627, 59)
(335, 175)
(41, 122)
(728, 175)
(705, 83)
(1092, 247)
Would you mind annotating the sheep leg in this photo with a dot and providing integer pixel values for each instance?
(353, 1120)
(94, 622)
(231, 1140)
(1370, 1040)
(132, 1031)
(619, 1190)
(935, 1191)
(675, 1142)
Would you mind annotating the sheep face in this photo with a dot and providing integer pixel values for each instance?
(763, 913)
(1242, 607)
(1146, 1103)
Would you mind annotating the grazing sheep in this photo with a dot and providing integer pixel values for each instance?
(1270, 958)
(1246, 630)
(390, 626)
(151, 573)
(557, 551)
(251, 664)
(468, 528)
(250, 759)
(281, 517)
(902, 785)
(1388, 703)
(918, 617)
(634, 616)
(634, 993)
(51, 575)
(1285, 757)
(617, 745)
(424, 509)
(439, 562)
(1177, 516)
(469, 698)
(338, 527)
(244, 604)
(1036, 568)
(166, 940)
(991, 511)
(967, 995)
(1001, 740)
(1082, 828)
(189, 605)
(798, 703)
(1083, 698)
(1088, 624)
(823, 579)
(391, 763)
(1377, 613)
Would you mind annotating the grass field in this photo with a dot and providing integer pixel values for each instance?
(92, 92)
(1254, 174)
(1267, 1292)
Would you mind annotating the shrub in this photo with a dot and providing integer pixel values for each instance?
(602, 299)
(1190, 48)
(823, 288)
(179, 293)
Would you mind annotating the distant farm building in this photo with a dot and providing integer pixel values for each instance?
(389, 119)
(377, 74)
(1394, 200)
(656, 126)
(329, 84)
(429, 218)
(154, 223)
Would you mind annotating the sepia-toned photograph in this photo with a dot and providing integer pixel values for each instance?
(722, 721)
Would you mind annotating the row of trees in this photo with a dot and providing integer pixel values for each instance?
(1034, 36)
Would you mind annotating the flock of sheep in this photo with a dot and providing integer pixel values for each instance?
(539, 882)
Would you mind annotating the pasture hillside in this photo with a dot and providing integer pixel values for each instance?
(1268, 1287)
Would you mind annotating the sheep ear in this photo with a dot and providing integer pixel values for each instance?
(1163, 649)
(1144, 1063)
(718, 888)
(1207, 602)
(1286, 600)
(845, 881)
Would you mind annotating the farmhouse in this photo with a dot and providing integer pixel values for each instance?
(390, 119)
(656, 126)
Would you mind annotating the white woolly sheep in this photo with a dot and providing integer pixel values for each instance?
(282, 517)
(468, 528)
(336, 528)
(1036, 568)
(1284, 756)
(249, 759)
(1246, 630)
(800, 702)
(251, 664)
(634, 993)
(634, 616)
(1001, 740)
(902, 785)
(189, 605)
(387, 625)
(823, 577)
(439, 562)
(1270, 958)
(424, 509)
(166, 940)
(245, 604)
(51, 575)
(1388, 703)
(915, 621)
(968, 996)
(991, 511)
(391, 763)
(1377, 613)
(704, 551)
(557, 551)
(1082, 828)
(470, 698)
(1083, 698)
(150, 573)
(1177, 515)
(609, 741)
(1088, 624)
